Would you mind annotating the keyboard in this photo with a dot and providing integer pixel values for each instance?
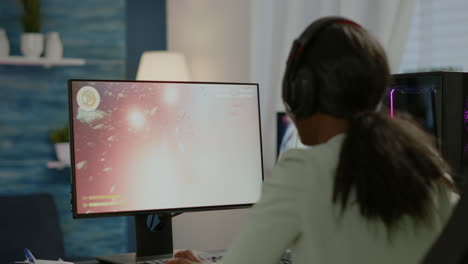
(217, 256)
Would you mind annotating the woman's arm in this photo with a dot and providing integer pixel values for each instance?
(273, 223)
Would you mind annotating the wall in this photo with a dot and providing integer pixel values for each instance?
(146, 30)
(214, 35)
(33, 101)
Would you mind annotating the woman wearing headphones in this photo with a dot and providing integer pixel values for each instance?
(371, 189)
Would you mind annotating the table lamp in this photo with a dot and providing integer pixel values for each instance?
(162, 66)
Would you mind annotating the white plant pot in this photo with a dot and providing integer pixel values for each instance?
(53, 46)
(63, 152)
(32, 44)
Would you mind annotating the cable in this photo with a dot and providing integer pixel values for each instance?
(175, 214)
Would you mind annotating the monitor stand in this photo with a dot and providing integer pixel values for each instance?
(150, 243)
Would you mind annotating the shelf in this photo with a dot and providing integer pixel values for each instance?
(57, 165)
(41, 61)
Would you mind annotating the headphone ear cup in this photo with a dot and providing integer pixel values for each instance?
(289, 81)
(303, 100)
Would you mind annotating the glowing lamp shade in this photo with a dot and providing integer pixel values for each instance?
(162, 66)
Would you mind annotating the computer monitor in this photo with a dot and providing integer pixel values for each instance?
(148, 147)
(286, 134)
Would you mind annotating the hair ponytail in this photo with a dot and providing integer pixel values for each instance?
(390, 167)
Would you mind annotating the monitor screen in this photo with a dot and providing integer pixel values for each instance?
(142, 146)
(286, 134)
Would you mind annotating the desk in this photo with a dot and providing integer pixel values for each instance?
(286, 259)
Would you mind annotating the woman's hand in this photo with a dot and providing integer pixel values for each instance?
(186, 257)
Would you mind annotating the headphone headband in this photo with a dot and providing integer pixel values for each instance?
(318, 26)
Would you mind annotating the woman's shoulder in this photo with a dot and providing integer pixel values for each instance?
(295, 161)
(323, 153)
(299, 165)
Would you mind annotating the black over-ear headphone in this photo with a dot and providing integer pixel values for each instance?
(299, 93)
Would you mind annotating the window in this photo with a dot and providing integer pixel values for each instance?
(438, 37)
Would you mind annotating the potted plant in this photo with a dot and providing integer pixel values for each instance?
(32, 41)
(60, 137)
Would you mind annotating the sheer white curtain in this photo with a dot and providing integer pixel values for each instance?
(276, 23)
(438, 37)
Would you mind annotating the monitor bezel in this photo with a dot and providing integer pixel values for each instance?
(74, 200)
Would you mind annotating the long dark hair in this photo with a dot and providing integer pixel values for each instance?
(388, 166)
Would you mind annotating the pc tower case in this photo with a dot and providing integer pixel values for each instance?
(439, 100)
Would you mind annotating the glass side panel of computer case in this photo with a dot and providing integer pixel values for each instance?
(465, 131)
(417, 96)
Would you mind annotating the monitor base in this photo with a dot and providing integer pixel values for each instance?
(153, 241)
